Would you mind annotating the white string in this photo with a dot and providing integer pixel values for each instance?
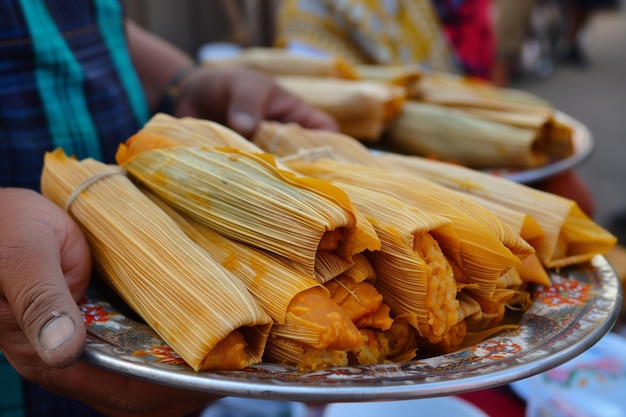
(85, 184)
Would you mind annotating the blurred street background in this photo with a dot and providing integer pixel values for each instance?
(595, 94)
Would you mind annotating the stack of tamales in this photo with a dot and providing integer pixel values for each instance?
(237, 252)
(478, 125)
(407, 109)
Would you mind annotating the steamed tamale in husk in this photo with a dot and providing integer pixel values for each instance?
(363, 109)
(198, 307)
(479, 125)
(488, 246)
(279, 61)
(451, 134)
(301, 308)
(569, 235)
(194, 132)
(246, 197)
(412, 272)
(405, 76)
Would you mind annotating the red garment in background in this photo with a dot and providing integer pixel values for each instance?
(468, 27)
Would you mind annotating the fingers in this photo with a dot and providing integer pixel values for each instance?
(288, 108)
(248, 101)
(39, 244)
(241, 99)
(255, 97)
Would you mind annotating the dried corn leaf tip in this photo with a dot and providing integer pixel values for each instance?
(246, 197)
(301, 308)
(198, 307)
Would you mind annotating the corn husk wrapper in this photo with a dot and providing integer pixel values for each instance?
(301, 308)
(459, 91)
(453, 135)
(488, 247)
(197, 133)
(531, 269)
(570, 236)
(291, 141)
(278, 61)
(194, 132)
(246, 197)
(487, 110)
(192, 302)
(363, 109)
(407, 77)
(362, 270)
(412, 272)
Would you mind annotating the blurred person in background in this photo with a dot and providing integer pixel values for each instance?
(468, 27)
(577, 14)
(511, 20)
(80, 76)
(400, 32)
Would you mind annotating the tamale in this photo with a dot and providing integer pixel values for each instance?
(488, 246)
(412, 272)
(467, 99)
(451, 134)
(293, 141)
(459, 91)
(570, 236)
(198, 307)
(279, 61)
(246, 197)
(194, 132)
(363, 109)
(402, 75)
(301, 308)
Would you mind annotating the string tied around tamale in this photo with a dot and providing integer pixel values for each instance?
(90, 181)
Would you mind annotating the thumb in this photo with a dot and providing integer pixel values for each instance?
(44, 260)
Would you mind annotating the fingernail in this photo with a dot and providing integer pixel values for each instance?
(58, 330)
(243, 121)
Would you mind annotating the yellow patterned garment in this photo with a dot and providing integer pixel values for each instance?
(386, 32)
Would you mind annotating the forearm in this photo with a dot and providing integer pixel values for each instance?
(155, 60)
